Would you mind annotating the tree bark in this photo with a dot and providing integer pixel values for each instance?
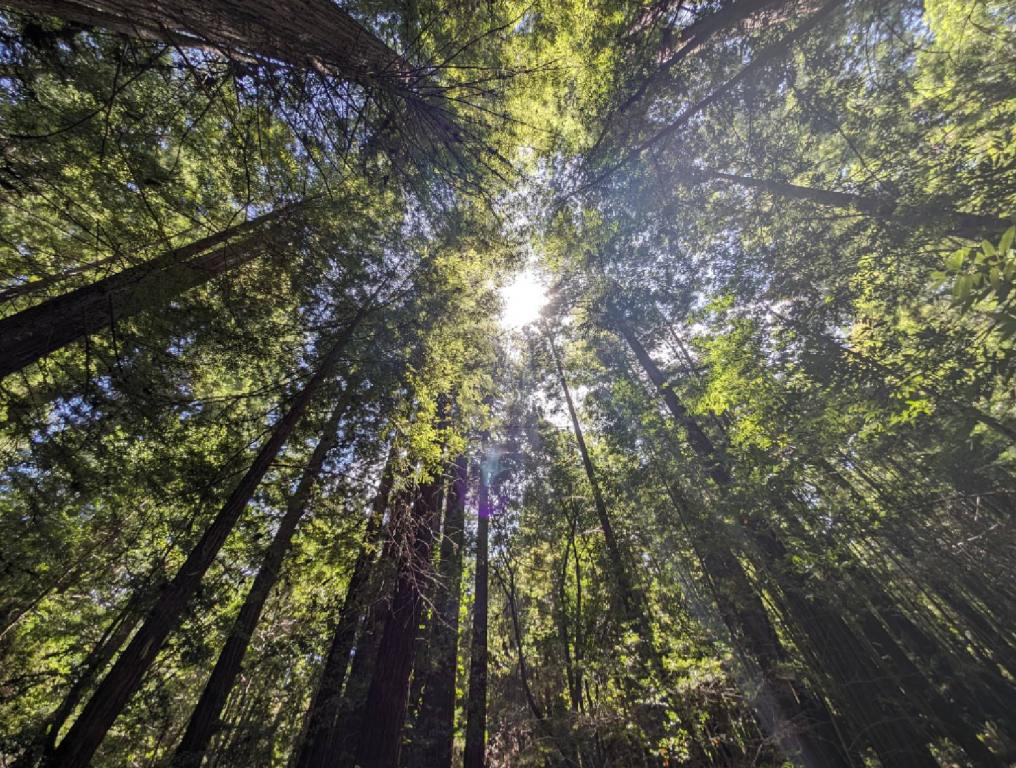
(385, 709)
(887, 723)
(799, 721)
(434, 729)
(90, 728)
(204, 721)
(476, 704)
(315, 35)
(972, 226)
(37, 331)
(629, 602)
(320, 739)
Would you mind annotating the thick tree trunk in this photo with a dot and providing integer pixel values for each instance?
(385, 709)
(313, 34)
(968, 225)
(205, 718)
(109, 699)
(476, 703)
(434, 729)
(37, 331)
(320, 740)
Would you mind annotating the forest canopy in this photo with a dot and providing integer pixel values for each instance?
(558, 383)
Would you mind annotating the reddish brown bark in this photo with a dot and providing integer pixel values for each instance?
(433, 732)
(321, 741)
(476, 704)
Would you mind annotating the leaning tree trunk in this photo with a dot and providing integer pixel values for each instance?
(205, 718)
(765, 57)
(434, 729)
(385, 709)
(476, 704)
(37, 331)
(784, 701)
(629, 600)
(109, 699)
(315, 35)
(891, 732)
(319, 741)
(968, 225)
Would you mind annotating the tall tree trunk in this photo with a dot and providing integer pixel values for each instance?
(629, 601)
(109, 699)
(316, 35)
(205, 718)
(800, 722)
(969, 225)
(892, 733)
(37, 331)
(476, 703)
(695, 35)
(112, 641)
(769, 55)
(385, 709)
(319, 743)
(434, 729)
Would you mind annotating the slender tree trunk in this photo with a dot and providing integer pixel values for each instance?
(695, 35)
(205, 719)
(385, 709)
(769, 55)
(320, 740)
(629, 601)
(800, 722)
(109, 699)
(37, 331)
(434, 730)
(968, 225)
(112, 641)
(890, 729)
(476, 704)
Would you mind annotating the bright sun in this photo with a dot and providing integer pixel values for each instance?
(523, 299)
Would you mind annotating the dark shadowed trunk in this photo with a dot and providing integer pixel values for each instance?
(204, 720)
(37, 331)
(319, 739)
(799, 721)
(109, 699)
(385, 708)
(969, 225)
(433, 733)
(476, 703)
